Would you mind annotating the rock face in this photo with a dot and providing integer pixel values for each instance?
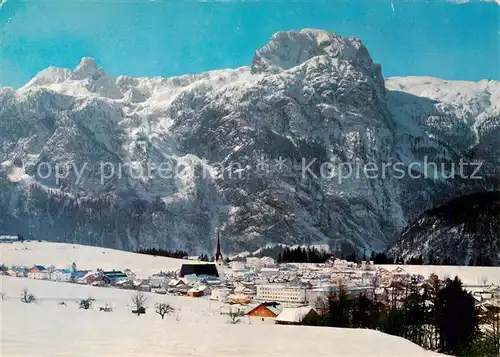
(465, 230)
(247, 146)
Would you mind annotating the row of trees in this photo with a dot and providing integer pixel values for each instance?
(383, 258)
(139, 301)
(439, 315)
(302, 255)
(179, 254)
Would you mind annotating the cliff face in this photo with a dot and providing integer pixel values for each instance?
(465, 230)
(246, 148)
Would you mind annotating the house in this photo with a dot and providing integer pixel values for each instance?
(130, 274)
(161, 291)
(96, 279)
(400, 274)
(244, 290)
(8, 239)
(269, 272)
(264, 313)
(220, 294)
(200, 290)
(297, 316)
(177, 286)
(11, 272)
(20, 271)
(319, 293)
(239, 299)
(61, 275)
(38, 272)
(115, 276)
(237, 266)
(268, 262)
(159, 281)
(384, 275)
(78, 275)
(144, 287)
(124, 284)
(342, 264)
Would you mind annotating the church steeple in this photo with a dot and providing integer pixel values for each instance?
(218, 254)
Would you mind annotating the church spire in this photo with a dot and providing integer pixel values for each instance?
(218, 254)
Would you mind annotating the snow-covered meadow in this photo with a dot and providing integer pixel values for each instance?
(196, 328)
(62, 255)
(46, 329)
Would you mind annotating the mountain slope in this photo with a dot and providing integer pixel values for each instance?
(464, 230)
(308, 97)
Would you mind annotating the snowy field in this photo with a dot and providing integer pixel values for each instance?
(46, 329)
(62, 255)
(196, 328)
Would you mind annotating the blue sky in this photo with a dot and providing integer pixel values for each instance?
(164, 38)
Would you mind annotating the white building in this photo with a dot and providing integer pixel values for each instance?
(238, 266)
(130, 274)
(269, 272)
(60, 275)
(268, 262)
(220, 294)
(159, 281)
(313, 296)
(283, 293)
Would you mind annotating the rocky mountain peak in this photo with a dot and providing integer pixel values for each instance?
(288, 49)
(87, 68)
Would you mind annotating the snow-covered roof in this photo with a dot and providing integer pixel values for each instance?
(294, 314)
(64, 271)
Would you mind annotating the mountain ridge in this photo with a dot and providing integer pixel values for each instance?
(465, 230)
(306, 95)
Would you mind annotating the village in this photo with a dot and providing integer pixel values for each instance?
(257, 290)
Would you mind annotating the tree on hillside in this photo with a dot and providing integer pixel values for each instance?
(415, 312)
(457, 319)
(27, 297)
(364, 312)
(163, 309)
(235, 317)
(336, 309)
(86, 303)
(139, 303)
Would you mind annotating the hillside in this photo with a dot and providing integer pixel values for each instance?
(197, 329)
(62, 255)
(307, 97)
(465, 230)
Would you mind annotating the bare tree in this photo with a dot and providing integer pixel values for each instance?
(86, 303)
(235, 317)
(163, 309)
(106, 308)
(27, 297)
(139, 301)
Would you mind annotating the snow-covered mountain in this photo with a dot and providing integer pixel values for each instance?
(465, 230)
(308, 95)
